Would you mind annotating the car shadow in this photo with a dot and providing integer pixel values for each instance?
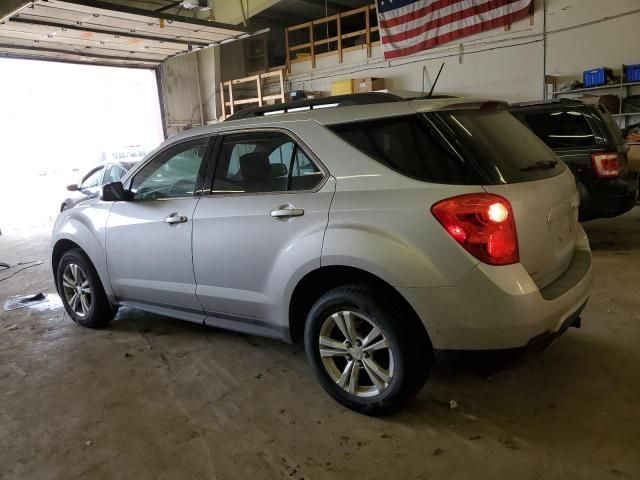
(620, 234)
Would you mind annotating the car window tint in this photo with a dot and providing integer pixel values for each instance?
(563, 129)
(171, 174)
(114, 174)
(503, 147)
(408, 145)
(93, 179)
(305, 175)
(263, 162)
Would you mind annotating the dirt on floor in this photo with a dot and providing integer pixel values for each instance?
(152, 397)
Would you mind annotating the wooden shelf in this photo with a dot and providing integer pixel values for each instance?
(259, 83)
(311, 44)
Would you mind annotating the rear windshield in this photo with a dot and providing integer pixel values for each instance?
(505, 149)
(561, 129)
(462, 147)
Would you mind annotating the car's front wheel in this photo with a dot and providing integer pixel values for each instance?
(81, 291)
(363, 351)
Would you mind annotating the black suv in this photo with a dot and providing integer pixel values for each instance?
(588, 140)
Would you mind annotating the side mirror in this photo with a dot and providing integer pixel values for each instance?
(115, 192)
(73, 187)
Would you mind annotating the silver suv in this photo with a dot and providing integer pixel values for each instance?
(387, 235)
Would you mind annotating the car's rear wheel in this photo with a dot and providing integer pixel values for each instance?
(363, 351)
(81, 291)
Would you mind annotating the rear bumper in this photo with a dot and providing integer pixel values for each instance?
(501, 308)
(454, 360)
(605, 205)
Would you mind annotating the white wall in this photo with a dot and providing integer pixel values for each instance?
(504, 64)
(510, 65)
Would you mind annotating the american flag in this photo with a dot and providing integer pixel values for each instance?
(410, 26)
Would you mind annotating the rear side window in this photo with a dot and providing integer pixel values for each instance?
(563, 129)
(504, 148)
(409, 145)
(610, 126)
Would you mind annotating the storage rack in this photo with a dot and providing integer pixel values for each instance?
(257, 85)
(624, 89)
(366, 37)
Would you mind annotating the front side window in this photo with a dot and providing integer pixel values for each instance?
(263, 162)
(563, 129)
(93, 179)
(171, 174)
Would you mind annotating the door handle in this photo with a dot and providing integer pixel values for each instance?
(175, 218)
(287, 211)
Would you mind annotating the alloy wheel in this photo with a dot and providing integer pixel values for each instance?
(77, 290)
(356, 354)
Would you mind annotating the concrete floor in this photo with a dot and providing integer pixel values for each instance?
(152, 397)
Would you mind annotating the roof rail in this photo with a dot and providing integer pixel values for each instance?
(317, 103)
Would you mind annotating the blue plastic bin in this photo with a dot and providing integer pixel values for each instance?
(631, 73)
(596, 76)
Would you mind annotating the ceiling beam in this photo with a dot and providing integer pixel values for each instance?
(79, 54)
(114, 7)
(79, 61)
(83, 28)
(336, 7)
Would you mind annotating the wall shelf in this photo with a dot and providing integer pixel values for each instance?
(256, 87)
(623, 89)
(333, 35)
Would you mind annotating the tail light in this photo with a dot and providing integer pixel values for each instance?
(606, 164)
(483, 224)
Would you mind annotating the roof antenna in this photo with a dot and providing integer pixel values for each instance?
(435, 82)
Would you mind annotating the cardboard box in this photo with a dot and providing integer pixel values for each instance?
(368, 84)
(612, 102)
(341, 87)
(633, 158)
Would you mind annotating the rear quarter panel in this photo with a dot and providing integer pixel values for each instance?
(380, 221)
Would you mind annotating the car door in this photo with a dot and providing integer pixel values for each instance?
(148, 238)
(261, 224)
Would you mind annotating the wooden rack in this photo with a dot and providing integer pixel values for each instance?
(335, 44)
(257, 85)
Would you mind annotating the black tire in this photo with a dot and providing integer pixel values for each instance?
(99, 312)
(63, 207)
(412, 355)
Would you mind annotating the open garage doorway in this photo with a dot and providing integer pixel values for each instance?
(60, 120)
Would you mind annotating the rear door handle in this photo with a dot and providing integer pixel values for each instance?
(286, 211)
(175, 218)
